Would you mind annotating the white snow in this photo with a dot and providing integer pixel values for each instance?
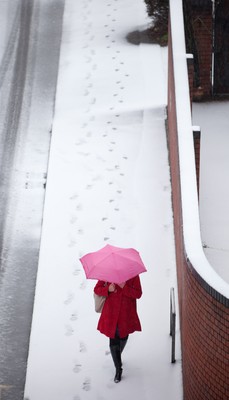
(214, 187)
(190, 205)
(108, 182)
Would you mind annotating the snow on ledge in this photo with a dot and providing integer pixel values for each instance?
(190, 207)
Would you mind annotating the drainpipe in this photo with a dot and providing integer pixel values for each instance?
(213, 46)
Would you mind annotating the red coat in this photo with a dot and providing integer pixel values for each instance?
(120, 309)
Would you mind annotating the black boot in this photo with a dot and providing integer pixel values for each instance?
(123, 342)
(116, 355)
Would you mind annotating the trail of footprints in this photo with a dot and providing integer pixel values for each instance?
(108, 131)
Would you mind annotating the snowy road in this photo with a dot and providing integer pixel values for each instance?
(30, 32)
(108, 182)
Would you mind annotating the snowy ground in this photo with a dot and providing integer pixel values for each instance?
(108, 182)
(214, 188)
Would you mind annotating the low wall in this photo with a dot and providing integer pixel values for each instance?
(203, 295)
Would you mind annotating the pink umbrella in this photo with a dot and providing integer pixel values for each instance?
(113, 264)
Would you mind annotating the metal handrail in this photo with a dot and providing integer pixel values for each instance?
(173, 324)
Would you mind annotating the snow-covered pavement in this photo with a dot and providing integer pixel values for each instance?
(214, 185)
(108, 182)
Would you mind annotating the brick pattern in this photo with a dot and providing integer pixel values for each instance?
(204, 313)
(202, 28)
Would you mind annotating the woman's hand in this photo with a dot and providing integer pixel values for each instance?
(112, 288)
(121, 285)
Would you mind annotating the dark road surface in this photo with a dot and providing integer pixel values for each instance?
(30, 37)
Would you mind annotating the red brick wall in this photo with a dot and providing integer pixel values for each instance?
(204, 313)
(202, 28)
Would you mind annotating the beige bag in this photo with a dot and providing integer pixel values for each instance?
(99, 302)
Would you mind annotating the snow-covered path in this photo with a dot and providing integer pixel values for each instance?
(214, 186)
(108, 182)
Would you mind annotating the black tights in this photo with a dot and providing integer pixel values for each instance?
(117, 341)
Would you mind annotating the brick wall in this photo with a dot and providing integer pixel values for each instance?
(204, 313)
(202, 28)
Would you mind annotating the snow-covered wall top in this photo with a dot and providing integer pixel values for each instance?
(189, 197)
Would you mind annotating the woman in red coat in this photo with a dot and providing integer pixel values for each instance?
(119, 316)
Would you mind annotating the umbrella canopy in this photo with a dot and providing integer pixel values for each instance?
(113, 264)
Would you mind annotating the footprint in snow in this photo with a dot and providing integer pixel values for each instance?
(83, 348)
(165, 188)
(97, 178)
(80, 142)
(83, 285)
(76, 398)
(74, 316)
(72, 243)
(77, 368)
(83, 153)
(166, 227)
(69, 330)
(73, 219)
(74, 196)
(87, 384)
(69, 299)
(76, 272)
(106, 238)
